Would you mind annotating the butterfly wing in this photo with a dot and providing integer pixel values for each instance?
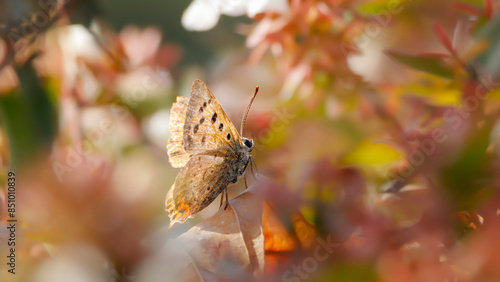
(196, 186)
(206, 145)
(177, 155)
(207, 127)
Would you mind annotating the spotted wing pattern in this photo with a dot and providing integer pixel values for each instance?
(207, 127)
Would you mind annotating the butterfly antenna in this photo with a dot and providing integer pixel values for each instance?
(248, 110)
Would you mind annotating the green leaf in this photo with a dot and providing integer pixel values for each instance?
(370, 153)
(378, 7)
(470, 172)
(348, 272)
(82, 12)
(490, 59)
(29, 117)
(429, 63)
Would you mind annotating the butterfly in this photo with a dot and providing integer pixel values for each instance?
(207, 147)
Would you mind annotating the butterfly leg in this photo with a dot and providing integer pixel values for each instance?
(251, 167)
(245, 178)
(221, 198)
(227, 200)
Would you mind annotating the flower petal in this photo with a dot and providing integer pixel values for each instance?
(233, 8)
(260, 6)
(200, 15)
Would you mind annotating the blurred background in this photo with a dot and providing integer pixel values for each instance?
(377, 125)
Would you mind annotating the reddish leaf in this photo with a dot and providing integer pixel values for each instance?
(468, 8)
(487, 9)
(445, 40)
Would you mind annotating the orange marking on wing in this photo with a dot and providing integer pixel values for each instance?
(180, 217)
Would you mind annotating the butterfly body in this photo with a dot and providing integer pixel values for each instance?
(207, 148)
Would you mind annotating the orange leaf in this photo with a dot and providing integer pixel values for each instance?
(278, 237)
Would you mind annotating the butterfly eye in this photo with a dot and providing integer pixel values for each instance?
(248, 143)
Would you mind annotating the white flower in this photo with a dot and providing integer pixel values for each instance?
(259, 6)
(203, 15)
